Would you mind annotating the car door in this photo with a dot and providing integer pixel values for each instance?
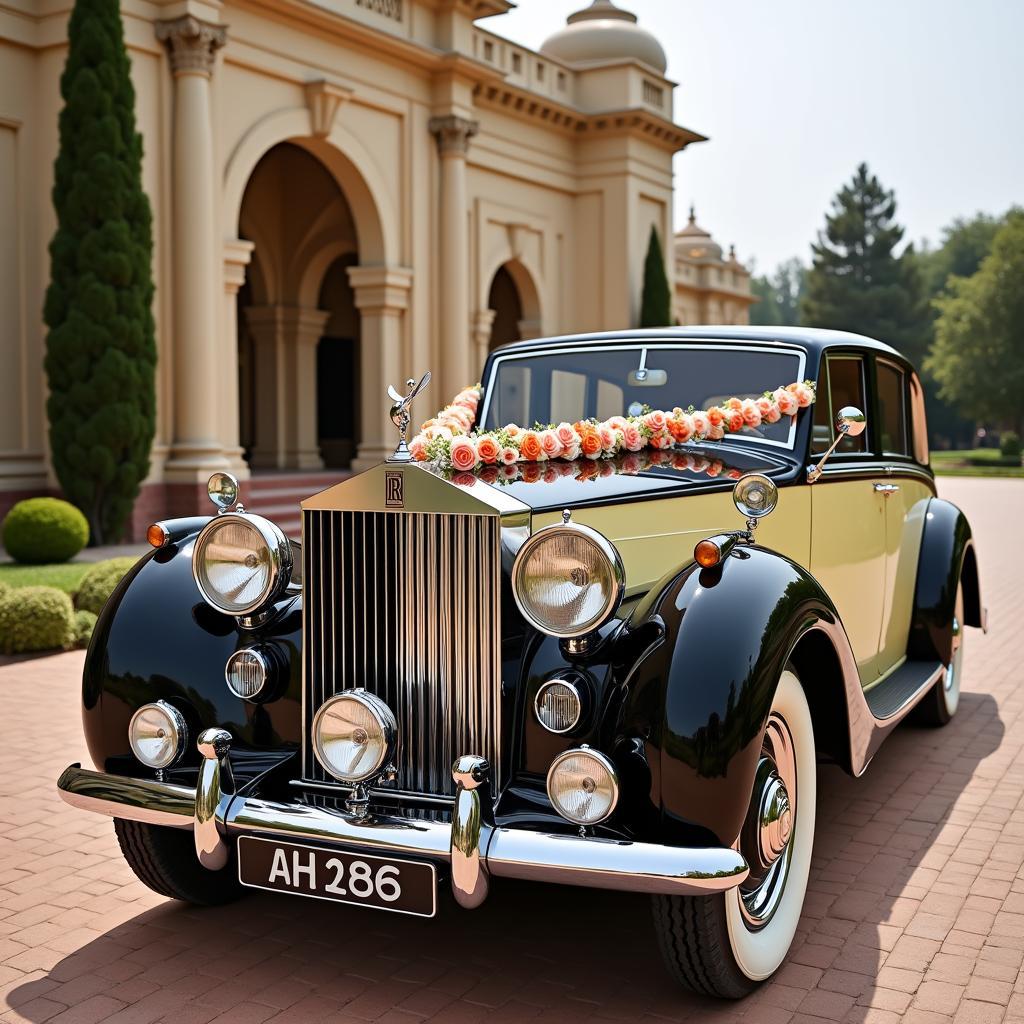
(906, 490)
(848, 520)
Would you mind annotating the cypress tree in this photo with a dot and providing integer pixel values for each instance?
(100, 349)
(857, 282)
(656, 298)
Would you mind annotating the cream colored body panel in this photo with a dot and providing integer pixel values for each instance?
(905, 512)
(656, 536)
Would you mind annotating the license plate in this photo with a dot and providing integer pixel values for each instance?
(402, 886)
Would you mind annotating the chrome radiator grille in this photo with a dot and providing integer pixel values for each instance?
(406, 605)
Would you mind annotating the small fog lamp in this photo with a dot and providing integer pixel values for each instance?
(755, 495)
(557, 705)
(249, 673)
(583, 786)
(157, 734)
(354, 736)
(222, 490)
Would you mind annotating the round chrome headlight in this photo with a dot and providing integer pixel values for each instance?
(241, 563)
(157, 734)
(354, 736)
(557, 705)
(568, 580)
(583, 786)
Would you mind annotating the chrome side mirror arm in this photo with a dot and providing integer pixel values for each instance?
(849, 423)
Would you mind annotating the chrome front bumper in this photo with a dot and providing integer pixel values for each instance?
(475, 848)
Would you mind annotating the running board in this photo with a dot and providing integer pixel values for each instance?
(900, 690)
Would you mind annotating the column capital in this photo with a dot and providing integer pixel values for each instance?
(237, 254)
(453, 133)
(381, 289)
(191, 44)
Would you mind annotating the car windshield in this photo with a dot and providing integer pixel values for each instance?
(597, 383)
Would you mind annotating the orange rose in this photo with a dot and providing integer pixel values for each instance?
(530, 447)
(734, 403)
(488, 449)
(590, 444)
(715, 416)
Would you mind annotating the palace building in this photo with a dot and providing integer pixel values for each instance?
(346, 193)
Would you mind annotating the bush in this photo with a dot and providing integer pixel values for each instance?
(44, 530)
(35, 619)
(1009, 445)
(99, 582)
(84, 622)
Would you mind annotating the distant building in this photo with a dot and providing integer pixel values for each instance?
(344, 192)
(709, 288)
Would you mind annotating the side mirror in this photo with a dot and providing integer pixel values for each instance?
(849, 423)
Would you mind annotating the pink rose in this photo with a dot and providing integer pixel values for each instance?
(616, 422)
(550, 444)
(786, 401)
(765, 406)
(701, 424)
(632, 439)
(655, 421)
(734, 420)
(751, 413)
(418, 448)
(608, 439)
(772, 415)
(804, 395)
(509, 456)
(463, 454)
(716, 433)
(566, 435)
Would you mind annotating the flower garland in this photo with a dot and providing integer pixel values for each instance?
(449, 438)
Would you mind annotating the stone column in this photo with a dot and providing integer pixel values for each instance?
(453, 134)
(197, 448)
(382, 297)
(483, 322)
(237, 254)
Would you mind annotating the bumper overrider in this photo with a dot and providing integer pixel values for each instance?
(473, 846)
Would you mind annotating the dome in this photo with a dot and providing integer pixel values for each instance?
(696, 243)
(604, 32)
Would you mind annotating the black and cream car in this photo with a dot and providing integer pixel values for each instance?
(527, 672)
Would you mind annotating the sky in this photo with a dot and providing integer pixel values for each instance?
(794, 94)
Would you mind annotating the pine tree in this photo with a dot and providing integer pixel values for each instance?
(656, 298)
(857, 282)
(100, 350)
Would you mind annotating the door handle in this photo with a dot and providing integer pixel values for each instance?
(887, 489)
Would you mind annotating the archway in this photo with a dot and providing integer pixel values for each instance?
(514, 301)
(297, 321)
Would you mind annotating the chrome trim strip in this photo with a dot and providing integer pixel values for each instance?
(783, 347)
(214, 791)
(509, 853)
(472, 823)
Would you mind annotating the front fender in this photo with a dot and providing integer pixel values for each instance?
(701, 695)
(947, 557)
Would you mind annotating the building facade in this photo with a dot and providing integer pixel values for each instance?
(709, 288)
(345, 192)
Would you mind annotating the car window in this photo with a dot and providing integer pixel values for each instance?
(920, 424)
(892, 413)
(822, 427)
(846, 387)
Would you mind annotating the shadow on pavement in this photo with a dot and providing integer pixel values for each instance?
(885, 883)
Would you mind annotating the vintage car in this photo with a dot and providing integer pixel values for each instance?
(555, 654)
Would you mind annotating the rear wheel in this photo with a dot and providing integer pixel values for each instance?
(165, 860)
(725, 945)
(942, 701)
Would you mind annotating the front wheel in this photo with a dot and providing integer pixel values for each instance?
(725, 945)
(165, 860)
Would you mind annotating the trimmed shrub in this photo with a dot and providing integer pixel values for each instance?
(35, 619)
(84, 622)
(40, 530)
(99, 582)
(656, 297)
(1009, 445)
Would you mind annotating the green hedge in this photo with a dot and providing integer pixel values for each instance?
(40, 530)
(83, 626)
(99, 583)
(35, 619)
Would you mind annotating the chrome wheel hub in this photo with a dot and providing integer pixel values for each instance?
(768, 829)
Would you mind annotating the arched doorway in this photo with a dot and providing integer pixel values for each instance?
(513, 300)
(298, 327)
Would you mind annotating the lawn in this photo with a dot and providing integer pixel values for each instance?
(975, 462)
(66, 576)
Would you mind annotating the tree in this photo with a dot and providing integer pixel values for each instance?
(779, 295)
(978, 355)
(656, 298)
(100, 350)
(857, 282)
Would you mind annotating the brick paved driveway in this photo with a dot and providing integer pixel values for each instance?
(915, 910)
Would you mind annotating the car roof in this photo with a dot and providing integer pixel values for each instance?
(813, 339)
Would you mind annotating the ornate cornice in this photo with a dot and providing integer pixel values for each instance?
(453, 133)
(191, 44)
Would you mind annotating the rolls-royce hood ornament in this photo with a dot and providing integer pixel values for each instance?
(400, 414)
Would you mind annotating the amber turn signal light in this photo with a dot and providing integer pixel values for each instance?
(707, 553)
(157, 535)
